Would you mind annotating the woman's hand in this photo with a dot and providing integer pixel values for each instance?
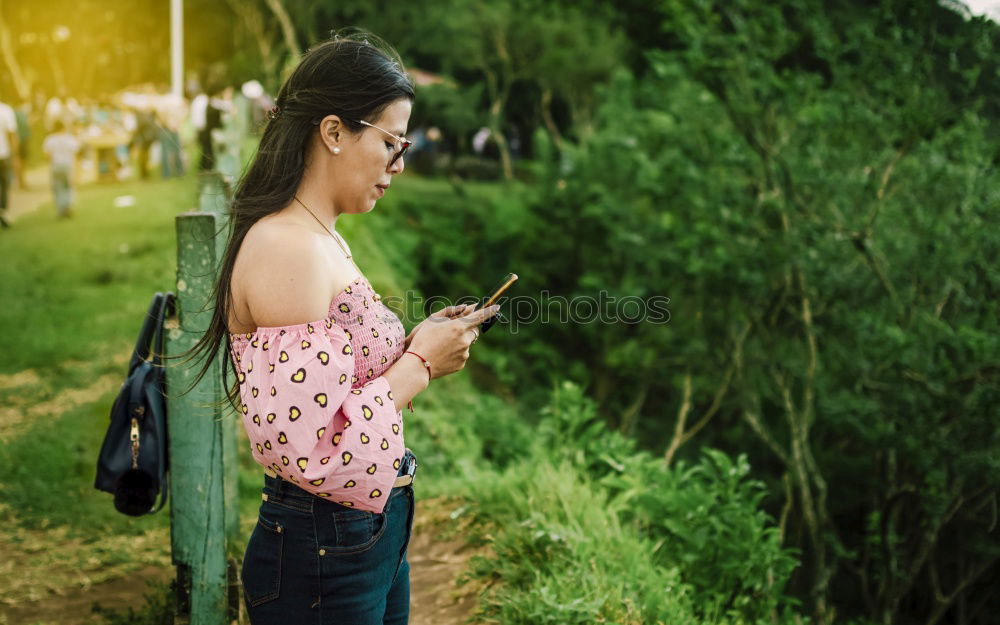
(451, 312)
(445, 341)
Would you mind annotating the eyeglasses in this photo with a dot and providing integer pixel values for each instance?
(400, 140)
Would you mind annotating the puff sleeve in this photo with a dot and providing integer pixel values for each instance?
(306, 422)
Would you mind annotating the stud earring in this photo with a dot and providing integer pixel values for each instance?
(335, 150)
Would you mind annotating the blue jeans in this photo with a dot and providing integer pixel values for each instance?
(315, 561)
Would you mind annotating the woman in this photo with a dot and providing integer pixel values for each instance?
(322, 367)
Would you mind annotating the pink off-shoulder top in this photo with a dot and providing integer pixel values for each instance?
(313, 402)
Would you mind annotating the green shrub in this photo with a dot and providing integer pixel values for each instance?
(562, 556)
(707, 520)
(586, 529)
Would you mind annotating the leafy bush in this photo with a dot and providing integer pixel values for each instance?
(707, 520)
(563, 556)
(585, 529)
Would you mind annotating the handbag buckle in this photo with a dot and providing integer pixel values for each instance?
(134, 437)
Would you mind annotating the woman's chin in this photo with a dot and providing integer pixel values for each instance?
(363, 207)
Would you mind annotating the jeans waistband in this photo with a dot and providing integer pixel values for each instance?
(279, 490)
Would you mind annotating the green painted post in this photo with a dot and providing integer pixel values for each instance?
(214, 196)
(204, 511)
(213, 193)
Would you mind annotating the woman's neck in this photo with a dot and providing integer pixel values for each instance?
(316, 200)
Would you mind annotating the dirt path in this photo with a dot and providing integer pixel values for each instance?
(51, 576)
(436, 563)
(45, 588)
(25, 201)
(74, 606)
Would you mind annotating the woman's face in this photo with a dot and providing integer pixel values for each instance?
(363, 174)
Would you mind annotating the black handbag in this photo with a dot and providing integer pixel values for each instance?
(133, 463)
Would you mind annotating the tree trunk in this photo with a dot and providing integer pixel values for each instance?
(254, 21)
(499, 91)
(60, 78)
(498, 96)
(550, 124)
(628, 419)
(21, 83)
(287, 28)
(497, 130)
(682, 413)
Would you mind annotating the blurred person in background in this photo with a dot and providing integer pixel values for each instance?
(54, 110)
(143, 137)
(260, 103)
(169, 116)
(23, 116)
(206, 116)
(8, 156)
(61, 148)
(479, 140)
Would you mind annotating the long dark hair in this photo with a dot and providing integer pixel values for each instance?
(354, 75)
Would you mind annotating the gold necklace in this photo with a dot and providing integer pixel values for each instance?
(336, 237)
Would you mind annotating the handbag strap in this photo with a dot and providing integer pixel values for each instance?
(164, 489)
(149, 326)
(166, 310)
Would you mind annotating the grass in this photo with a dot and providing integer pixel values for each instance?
(76, 288)
(563, 555)
(74, 292)
(74, 295)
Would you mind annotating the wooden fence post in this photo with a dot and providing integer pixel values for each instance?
(204, 510)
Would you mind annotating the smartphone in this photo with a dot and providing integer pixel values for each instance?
(492, 298)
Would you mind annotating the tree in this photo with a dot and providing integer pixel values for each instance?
(812, 186)
(260, 30)
(523, 44)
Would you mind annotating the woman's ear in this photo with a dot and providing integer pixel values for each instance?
(332, 133)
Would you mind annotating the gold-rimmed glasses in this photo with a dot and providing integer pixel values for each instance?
(399, 140)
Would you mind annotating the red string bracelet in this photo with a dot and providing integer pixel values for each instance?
(427, 365)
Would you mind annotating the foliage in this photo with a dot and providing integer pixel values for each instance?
(539, 50)
(563, 556)
(452, 108)
(583, 515)
(812, 186)
(707, 520)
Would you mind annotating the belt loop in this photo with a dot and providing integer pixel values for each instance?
(279, 486)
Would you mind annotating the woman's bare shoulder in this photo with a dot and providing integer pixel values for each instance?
(283, 274)
(274, 234)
